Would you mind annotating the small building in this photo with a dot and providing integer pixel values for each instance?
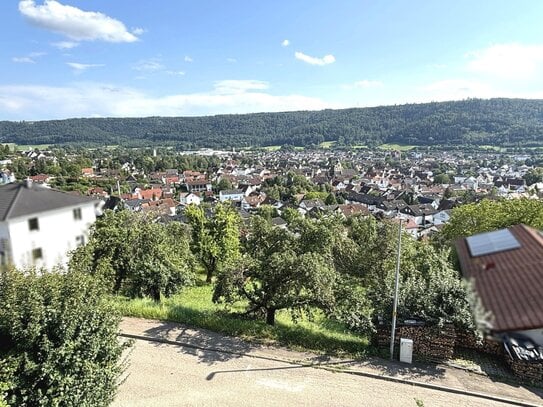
(186, 198)
(236, 195)
(38, 225)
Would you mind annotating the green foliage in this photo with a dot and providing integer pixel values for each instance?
(443, 179)
(136, 256)
(534, 176)
(430, 289)
(215, 239)
(280, 271)
(497, 122)
(59, 340)
(485, 216)
(223, 184)
(330, 199)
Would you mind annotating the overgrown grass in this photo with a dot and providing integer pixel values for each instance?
(194, 307)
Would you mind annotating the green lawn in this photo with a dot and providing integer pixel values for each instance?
(396, 147)
(494, 148)
(26, 147)
(272, 148)
(193, 307)
(327, 144)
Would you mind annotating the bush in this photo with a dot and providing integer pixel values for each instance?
(58, 340)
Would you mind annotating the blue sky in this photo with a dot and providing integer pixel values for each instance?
(102, 58)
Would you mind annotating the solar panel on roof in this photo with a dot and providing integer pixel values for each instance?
(492, 242)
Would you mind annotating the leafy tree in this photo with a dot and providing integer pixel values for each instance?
(59, 340)
(267, 212)
(430, 288)
(136, 256)
(485, 216)
(279, 271)
(331, 199)
(534, 176)
(442, 179)
(224, 184)
(215, 239)
(290, 215)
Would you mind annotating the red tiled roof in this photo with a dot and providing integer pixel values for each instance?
(509, 283)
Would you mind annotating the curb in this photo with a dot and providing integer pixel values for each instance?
(338, 370)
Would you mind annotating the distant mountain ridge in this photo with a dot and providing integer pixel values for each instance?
(499, 122)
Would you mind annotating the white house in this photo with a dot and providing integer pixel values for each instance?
(38, 225)
(186, 198)
(231, 195)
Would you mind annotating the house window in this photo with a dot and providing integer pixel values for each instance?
(33, 224)
(77, 214)
(37, 254)
(80, 240)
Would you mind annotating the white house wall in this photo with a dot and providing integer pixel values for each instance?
(56, 236)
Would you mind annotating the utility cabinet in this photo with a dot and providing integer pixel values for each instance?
(406, 350)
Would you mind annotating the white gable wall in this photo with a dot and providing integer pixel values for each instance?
(57, 234)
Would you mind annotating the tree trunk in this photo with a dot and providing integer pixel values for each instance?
(270, 316)
(210, 268)
(209, 275)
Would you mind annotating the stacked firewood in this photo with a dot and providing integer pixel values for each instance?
(529, 371)
(468, 340)
(428, 341)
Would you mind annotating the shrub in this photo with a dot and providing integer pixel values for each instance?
(59, 344)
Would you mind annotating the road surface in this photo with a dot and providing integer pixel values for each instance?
(171, 375)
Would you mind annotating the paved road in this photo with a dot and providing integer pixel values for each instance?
(170, 375)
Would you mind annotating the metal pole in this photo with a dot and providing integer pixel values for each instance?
(396, 287)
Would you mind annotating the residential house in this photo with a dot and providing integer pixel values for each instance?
(38, 225)
(506, 267)
(235, 195)
(186, 198)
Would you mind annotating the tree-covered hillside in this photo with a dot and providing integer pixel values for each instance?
(502, 122)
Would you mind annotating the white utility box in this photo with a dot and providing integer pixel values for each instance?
(406, 350)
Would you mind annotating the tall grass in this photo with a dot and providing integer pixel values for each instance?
(193, 306)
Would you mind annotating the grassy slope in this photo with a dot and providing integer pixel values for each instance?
(193, 307)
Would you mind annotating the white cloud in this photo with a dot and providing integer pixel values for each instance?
(176, 73)
(28, 59)
(138, 31)
(327, 59)
(457, 89)
(365, 84)
(235, 86)
(231, 60)
(285, 43)
(512, 61)
(65, 44)
(82, 67)
(92, 99)
(23, 60)
(75, 23)
(188, 59)
(148, 65)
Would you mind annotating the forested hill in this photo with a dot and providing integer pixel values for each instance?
(504, 122)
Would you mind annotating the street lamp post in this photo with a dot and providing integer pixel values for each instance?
(396, 287)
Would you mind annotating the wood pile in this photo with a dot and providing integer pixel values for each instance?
(428, 341)
(468, 340)
(529, 371)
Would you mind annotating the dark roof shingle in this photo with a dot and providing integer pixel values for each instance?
(18, 199)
